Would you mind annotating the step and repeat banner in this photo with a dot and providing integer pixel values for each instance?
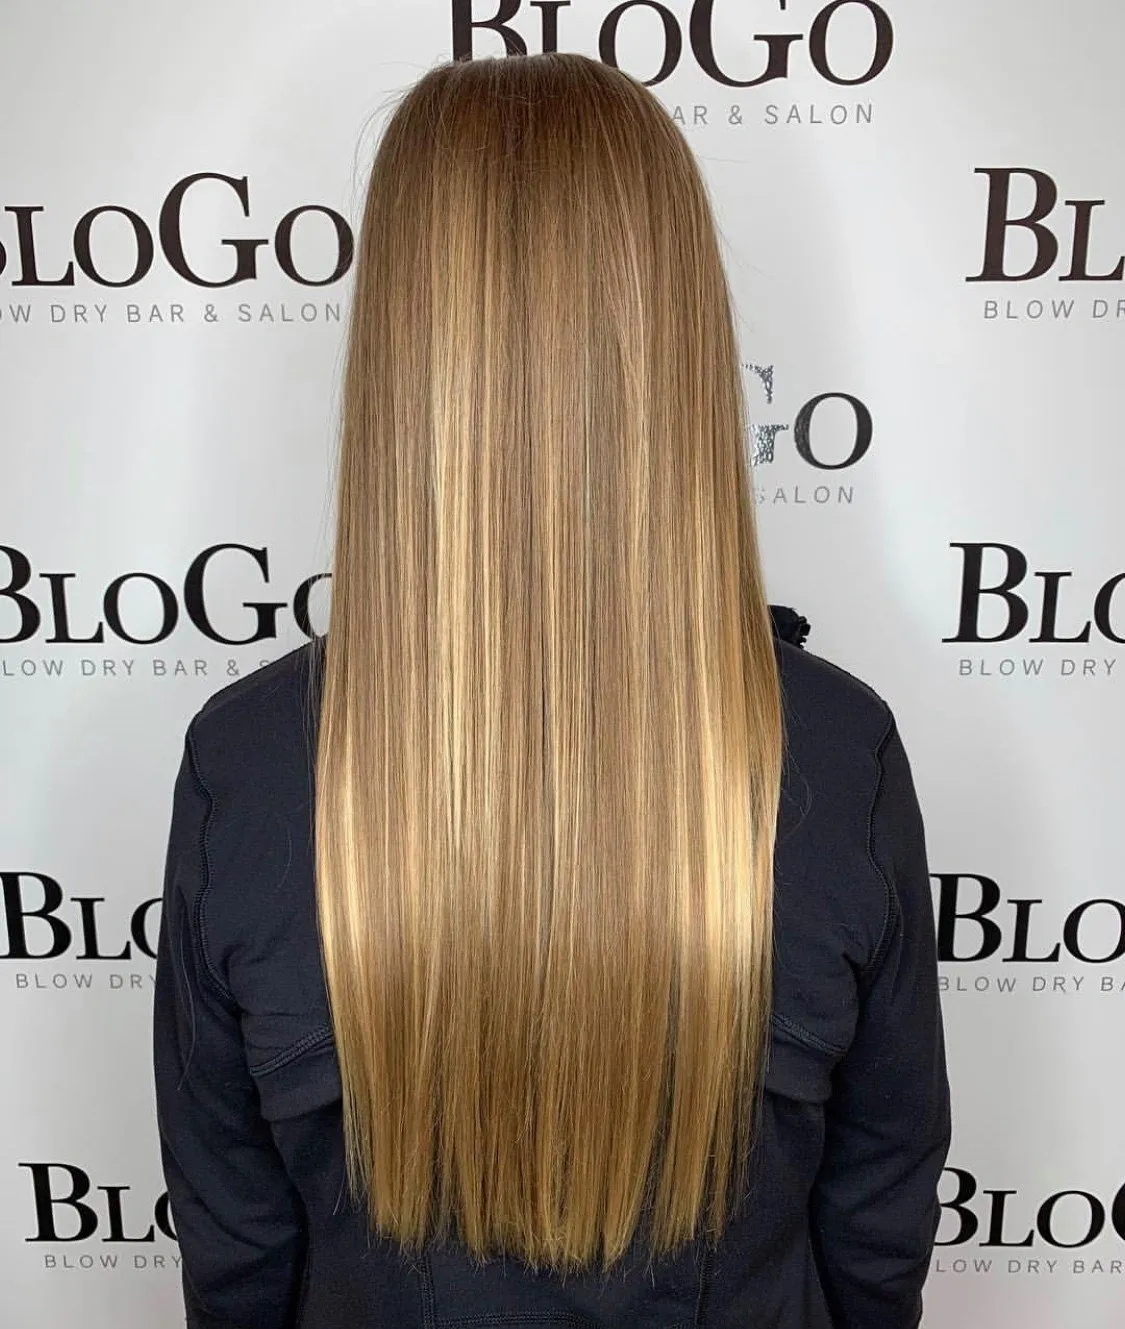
(923, 212)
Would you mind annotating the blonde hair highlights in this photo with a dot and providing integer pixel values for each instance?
(550, 731)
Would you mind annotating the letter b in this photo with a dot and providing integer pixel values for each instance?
(998, 224)
(15, 917)
(948, 916)
(969, 1222)
(973, 591)
(46, 1203)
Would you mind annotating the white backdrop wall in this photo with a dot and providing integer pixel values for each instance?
(936, 393)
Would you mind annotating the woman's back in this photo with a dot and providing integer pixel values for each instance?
(840, 1215)
(552, 917)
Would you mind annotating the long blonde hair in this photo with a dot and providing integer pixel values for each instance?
(550, 734)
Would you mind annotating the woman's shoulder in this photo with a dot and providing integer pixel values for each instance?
(278, 680)
(267, 718)
(833, 900)
(252, 745)
(258, 730)
(827, 706)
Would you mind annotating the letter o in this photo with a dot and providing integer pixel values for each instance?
(1074, 922)
(283, 245)
(880, 57)
(1117, 1212)
(163, 1215)
(146, 249)
(673, 38)
(1102, 603)
(1047, 1209)
(802, 431)
(111, 605)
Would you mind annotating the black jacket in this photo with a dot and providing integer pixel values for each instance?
(840, 1222)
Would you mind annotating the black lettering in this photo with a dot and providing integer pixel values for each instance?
(464, 23)
(1051, 608)
(1117, 1213)
(673, 39)
(972, 591)
(195, 604)
(16, 914)
(550, 21)
(164, 1217)
(283, 245)
(1102, 603)
(701, 36)
(802, 431)
(142, 236)
(880, 56)
(1023, 926)
(111, 607)
(116, 1220)
(1046, 1212)
(30, 616)
(966, 1189)
(60, 613)
(138, 927)
(87, 905)
(996, 1222)
(1071, 939)
(301, 602)
(25, 238)
(171, 237)
(949, 916)
(46, 1202)
(998, 224)
(1080, 255)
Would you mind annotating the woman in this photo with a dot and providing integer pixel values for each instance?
(551, 942)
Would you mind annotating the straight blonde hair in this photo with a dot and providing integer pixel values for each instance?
(550, 736)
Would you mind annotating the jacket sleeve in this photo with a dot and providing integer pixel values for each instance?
(237, 1215)
(874, 1206)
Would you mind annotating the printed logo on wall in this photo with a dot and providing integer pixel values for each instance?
(215, 605)
(114, 247)
(830, 432)
(842, 44)
(1073, 624)
(1029, 238)
(77, 1225)
(55, 942)
(1040, 1232)
(66, 1215)
(990, 943)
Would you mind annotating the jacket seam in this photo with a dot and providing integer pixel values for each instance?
(491, 1321)
(310, 1042)
(426, 1292)
(890, 900)
(805, 1036)
(306, 1275)
(198, 918)
(882, 703)
(704, 1286)
(818, 1278)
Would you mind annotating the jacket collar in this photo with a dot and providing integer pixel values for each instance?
(789, 625)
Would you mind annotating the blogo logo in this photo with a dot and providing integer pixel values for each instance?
(816, 46)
